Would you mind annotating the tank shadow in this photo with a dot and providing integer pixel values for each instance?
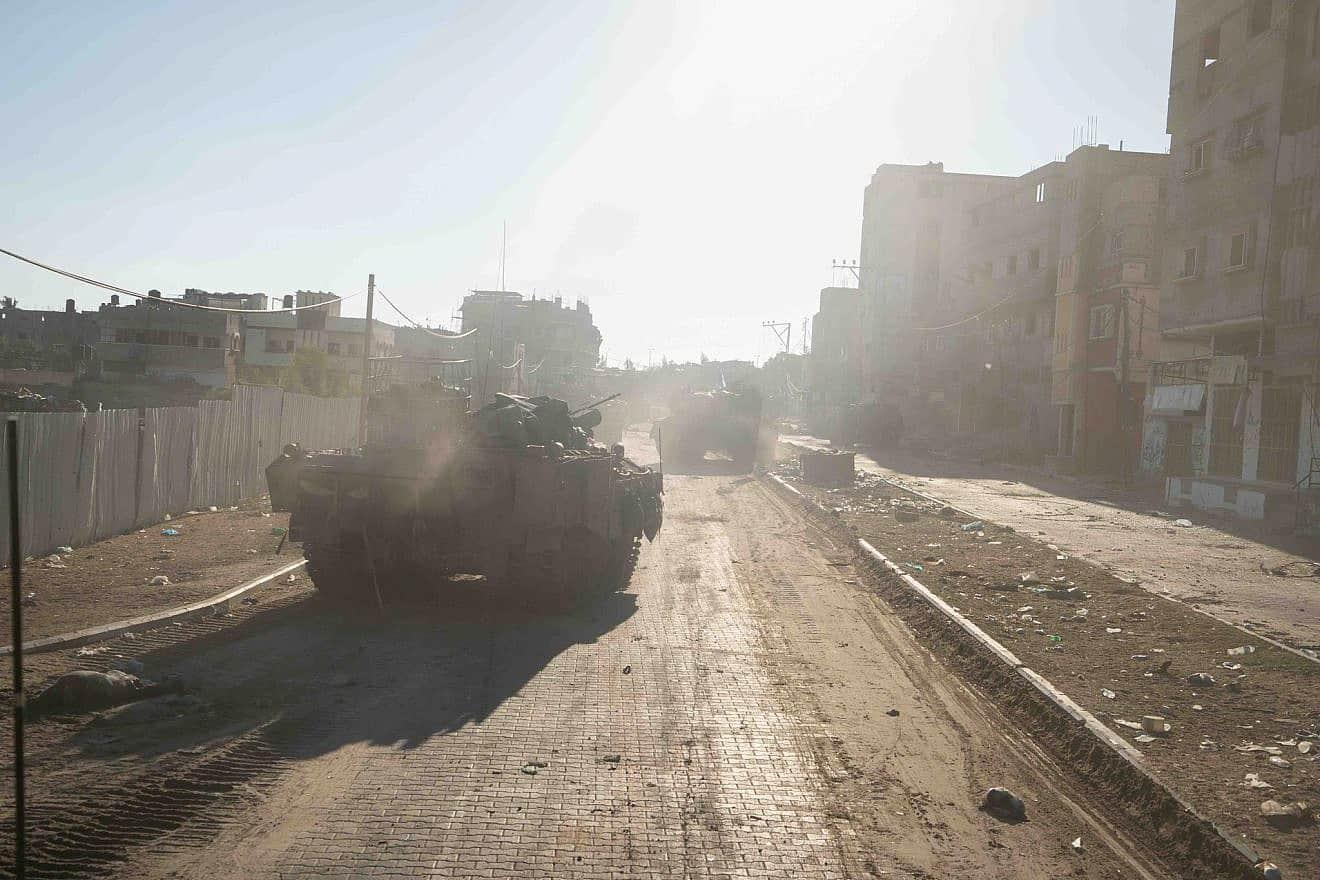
(335, 677)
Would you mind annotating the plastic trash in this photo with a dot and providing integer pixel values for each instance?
(170, 533)
(1107, 693)
(64, 550)
(1076, 844)
(1245, 649)
(971, 527)
(160, 580)
(1201, 679)
(1183, 523)
(1113, 630)
(1279, 761)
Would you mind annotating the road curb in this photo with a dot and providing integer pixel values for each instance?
(217, 604)
(1242, 856)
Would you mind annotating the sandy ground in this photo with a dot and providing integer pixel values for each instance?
(1214, 565)
(744, 708)
(111, 579)
(1123, 653)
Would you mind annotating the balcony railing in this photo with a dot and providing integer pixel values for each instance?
(1185, 372)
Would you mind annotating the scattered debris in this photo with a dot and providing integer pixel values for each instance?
(1252, 747)
(159, 580)
(971, 527)
(64, 550)
(610, 759)
(1156, 724)
(1201, 679)
(1183, 523)
(532, 767)
(1245, 649)
(1279, 761)
(627, 670)
(1107, 693)
(1130, 725)
(1003, 804)
(1269, 871)
(169, 533)
(1253, 780)
(1076, 844)
(1293, 813)
(892, 713)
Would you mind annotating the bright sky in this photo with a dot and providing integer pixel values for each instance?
(690, 168)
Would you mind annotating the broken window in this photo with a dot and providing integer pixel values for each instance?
(1210, 46)
(1190, 263)
(1239, 250)
(332, 348)
(1246, 136)
(1198, 156)
(1297, 225)
(1102, 322)
(1260, 17)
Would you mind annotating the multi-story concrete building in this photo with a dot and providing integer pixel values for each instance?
(911, 224)
(271, 340)
(542, 337)
(65, 335)
(153, 337)
(1106, 316)
(1229, 419)
(834, 365)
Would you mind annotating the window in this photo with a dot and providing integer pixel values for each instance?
(191, 340)
(1102, 322)
(1260, 17)
(1011, 264)
(1210, 47)
(1070, 190)
(1198, 156)
(1297, 224)
(122, 335)
(1239, 250)
(332, 348)
(1040, 193)
(212, 342)
(1116, 242)
(1245, 138)
(1033, 259)
(288, 346)
(354, 350)
(1190, 263)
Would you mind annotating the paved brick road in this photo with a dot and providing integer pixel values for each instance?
(675, 730)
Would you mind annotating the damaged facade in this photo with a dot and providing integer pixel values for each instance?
(1230, 421)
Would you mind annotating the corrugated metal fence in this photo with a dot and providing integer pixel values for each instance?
(86, 477)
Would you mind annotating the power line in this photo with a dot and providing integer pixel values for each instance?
(169, 302)
(421, 326)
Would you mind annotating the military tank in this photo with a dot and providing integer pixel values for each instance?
(726, 420)
(517, 496)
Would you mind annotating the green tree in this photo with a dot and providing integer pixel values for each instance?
(310, 373)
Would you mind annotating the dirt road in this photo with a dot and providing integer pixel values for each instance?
(744, 709)
(1205, 565)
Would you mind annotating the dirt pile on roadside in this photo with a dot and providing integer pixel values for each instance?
(111, 580)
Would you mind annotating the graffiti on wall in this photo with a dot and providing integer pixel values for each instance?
(1154, 437)
(1198, 449)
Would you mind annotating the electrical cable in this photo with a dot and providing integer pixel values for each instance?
(168, 302)
(446, 336)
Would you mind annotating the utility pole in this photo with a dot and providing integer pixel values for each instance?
(366, 362)
(783, 330)
(1124, 353)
